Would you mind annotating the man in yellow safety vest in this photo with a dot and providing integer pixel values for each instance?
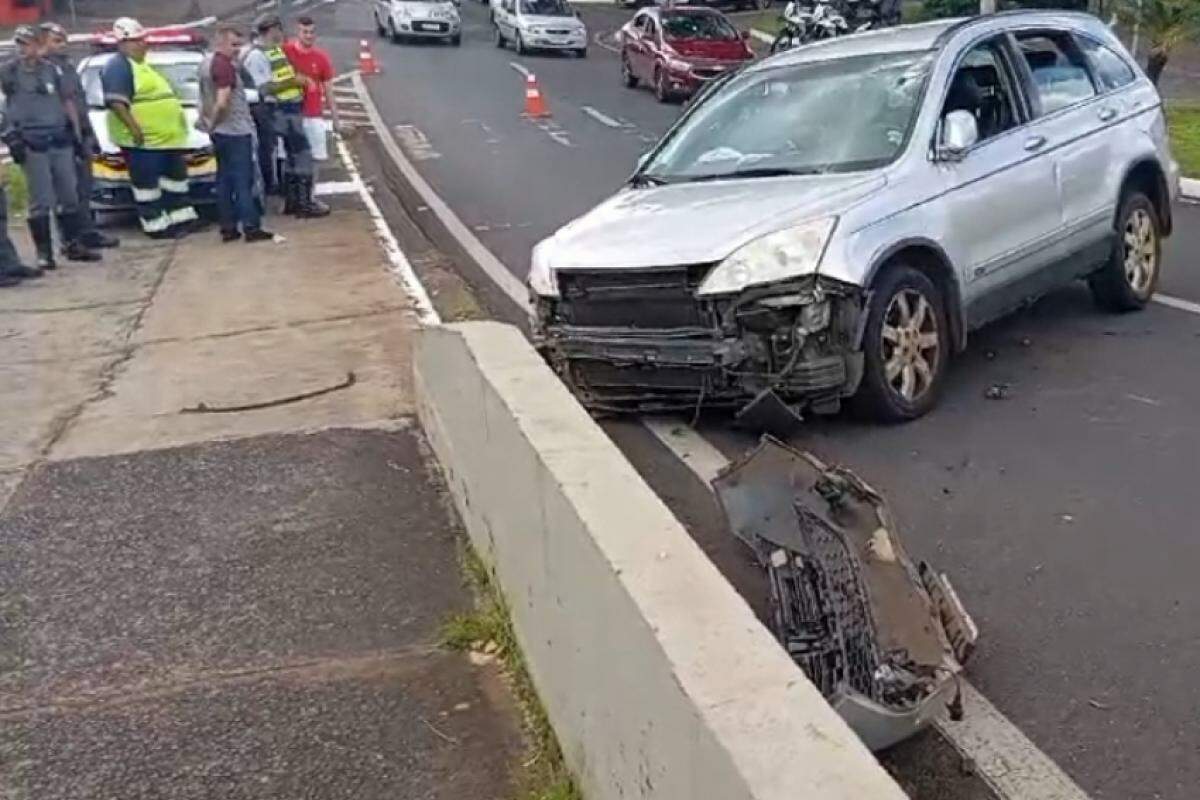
(146, 120)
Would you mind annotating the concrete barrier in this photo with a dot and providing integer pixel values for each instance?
(658, 679)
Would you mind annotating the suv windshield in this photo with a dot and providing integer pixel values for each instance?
(697, 26)
(184, 76)
(545, 8)
(834, 116)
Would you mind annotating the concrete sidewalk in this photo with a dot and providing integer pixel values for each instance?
(197, 601)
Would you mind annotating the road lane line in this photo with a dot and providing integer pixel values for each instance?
(601, 117)
(521, 68)
(1012, 766)
(600, 42)
(401, 269)
(1176, 302)
(508, 283)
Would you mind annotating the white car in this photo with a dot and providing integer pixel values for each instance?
(418, 19)
(539, 25)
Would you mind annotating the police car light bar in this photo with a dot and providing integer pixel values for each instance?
(153, 35)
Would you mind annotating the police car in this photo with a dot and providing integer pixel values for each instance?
(177, 55)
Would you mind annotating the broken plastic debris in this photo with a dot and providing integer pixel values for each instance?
(882, 639)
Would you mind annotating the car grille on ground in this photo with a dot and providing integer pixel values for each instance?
(652, 299)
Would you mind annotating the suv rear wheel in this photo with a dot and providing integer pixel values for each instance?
(1128, 280)
(906, 346)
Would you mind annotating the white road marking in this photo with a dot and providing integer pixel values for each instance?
(416, 143)
(1012, 766)
(600, 42)
(1176, 302)
(327, 188)
(601, 117)
(521, 68)
(508, 283)
(554, 131)
(401, 267)
(762, 36)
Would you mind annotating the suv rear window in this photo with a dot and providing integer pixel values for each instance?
(1112, 71)
(1059, 70)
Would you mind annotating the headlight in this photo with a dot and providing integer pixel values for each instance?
(774, 257)
(541, 275)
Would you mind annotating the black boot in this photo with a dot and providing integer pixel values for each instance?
(291, 194)
(74, 248)
(43, 243)
(94, 237)
(310, 207)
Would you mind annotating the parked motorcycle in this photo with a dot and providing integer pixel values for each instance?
(826, 19)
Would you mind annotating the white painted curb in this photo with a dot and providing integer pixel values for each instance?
(1190, 188)
(657, 677)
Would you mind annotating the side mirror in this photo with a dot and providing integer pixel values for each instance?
(959, 133)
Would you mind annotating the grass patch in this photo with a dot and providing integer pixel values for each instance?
(488, 629)
(1183, 119)
(18, 192)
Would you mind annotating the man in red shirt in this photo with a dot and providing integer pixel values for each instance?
(309, 59)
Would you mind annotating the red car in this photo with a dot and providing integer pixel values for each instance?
(677, 50)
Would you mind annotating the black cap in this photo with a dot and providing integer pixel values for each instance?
(267, 21)
(54, 28)
(24, 34)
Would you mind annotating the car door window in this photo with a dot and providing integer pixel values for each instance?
(639, 25)
(984, 87)
(1112, 71)
(651, 28)
(1058, 68)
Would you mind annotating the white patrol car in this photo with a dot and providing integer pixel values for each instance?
(418, 19)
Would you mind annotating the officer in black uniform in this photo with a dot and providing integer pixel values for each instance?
(41, 129)
(54, 50)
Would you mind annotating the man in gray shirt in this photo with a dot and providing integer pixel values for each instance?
(225, 115)
(42, 126)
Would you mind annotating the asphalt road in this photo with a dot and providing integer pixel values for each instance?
(1063, 511)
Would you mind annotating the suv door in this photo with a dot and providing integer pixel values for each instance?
(506, 18)
(1077, 121)
(649, 49)
(1001, 203)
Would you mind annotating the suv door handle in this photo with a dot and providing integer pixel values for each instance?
(1035, 143)
(1107, 113)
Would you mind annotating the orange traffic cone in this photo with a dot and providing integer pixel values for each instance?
(535, 106)
(366, 60)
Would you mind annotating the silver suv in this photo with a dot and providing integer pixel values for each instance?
(831, 222)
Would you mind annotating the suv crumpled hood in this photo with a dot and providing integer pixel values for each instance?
(696, 223)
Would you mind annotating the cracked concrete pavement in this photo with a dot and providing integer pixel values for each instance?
(205, 604)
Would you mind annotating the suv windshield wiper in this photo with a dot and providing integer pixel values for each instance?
(757, 172)
(646, 179)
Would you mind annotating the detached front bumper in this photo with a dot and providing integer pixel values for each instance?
(642, 342)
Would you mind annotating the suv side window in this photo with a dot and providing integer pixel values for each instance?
(1059, 70)
(650, 27)
(1112, 71)
(983, 86)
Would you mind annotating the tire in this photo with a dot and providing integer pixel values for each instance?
(919, 337)
(456, 40)
(519, 44)
(379, 29)
(499, 38)
(395, 34)
(1128, 280)
(627, 77)
(660, 86)
(581, 52)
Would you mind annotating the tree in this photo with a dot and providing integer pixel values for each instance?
(1166, 24)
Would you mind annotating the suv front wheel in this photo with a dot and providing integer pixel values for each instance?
(906, 347)
(1127, 281)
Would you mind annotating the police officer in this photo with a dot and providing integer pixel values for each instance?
(275, 77)
(42, 126)
(54, 50)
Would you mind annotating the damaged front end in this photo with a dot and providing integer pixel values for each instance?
(646, 341)
(884, 641)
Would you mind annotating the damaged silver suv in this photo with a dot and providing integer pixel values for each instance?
(831, 222)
